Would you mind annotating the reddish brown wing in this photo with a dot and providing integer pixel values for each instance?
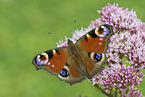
(96, 40)
(56, 62)
(95, 44)
(52, 60)
(75, 74)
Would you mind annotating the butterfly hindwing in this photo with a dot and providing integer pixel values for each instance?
(94, 64)
(72, 73)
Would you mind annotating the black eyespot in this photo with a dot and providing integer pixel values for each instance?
(97, 57)
(64, 73)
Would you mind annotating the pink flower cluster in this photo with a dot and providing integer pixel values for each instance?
(123, 78)
(133, 92)
(126, 50)
(129, 38)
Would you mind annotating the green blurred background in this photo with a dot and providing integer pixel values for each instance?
(23, 34)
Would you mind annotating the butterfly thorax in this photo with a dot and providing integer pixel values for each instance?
(77, 56)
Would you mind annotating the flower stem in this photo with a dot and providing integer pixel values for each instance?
(115, 92)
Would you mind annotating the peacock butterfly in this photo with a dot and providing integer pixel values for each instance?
(83, 59)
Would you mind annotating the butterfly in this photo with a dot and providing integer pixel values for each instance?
(83, 59)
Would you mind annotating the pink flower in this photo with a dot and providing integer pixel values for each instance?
(133, 92)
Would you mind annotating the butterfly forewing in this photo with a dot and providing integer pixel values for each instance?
(96, 40)
(52, 60)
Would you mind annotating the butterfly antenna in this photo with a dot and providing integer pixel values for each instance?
(74, 25)
(73, 28)
(55, 35)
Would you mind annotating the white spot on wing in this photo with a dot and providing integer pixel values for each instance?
(100, 43)
(52, 65)
(48, 63)
(101, 38)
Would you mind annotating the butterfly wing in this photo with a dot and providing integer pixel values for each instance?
(59, 62)
(96, 40)
(96, 61)
(94, 43)
(52, 60)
